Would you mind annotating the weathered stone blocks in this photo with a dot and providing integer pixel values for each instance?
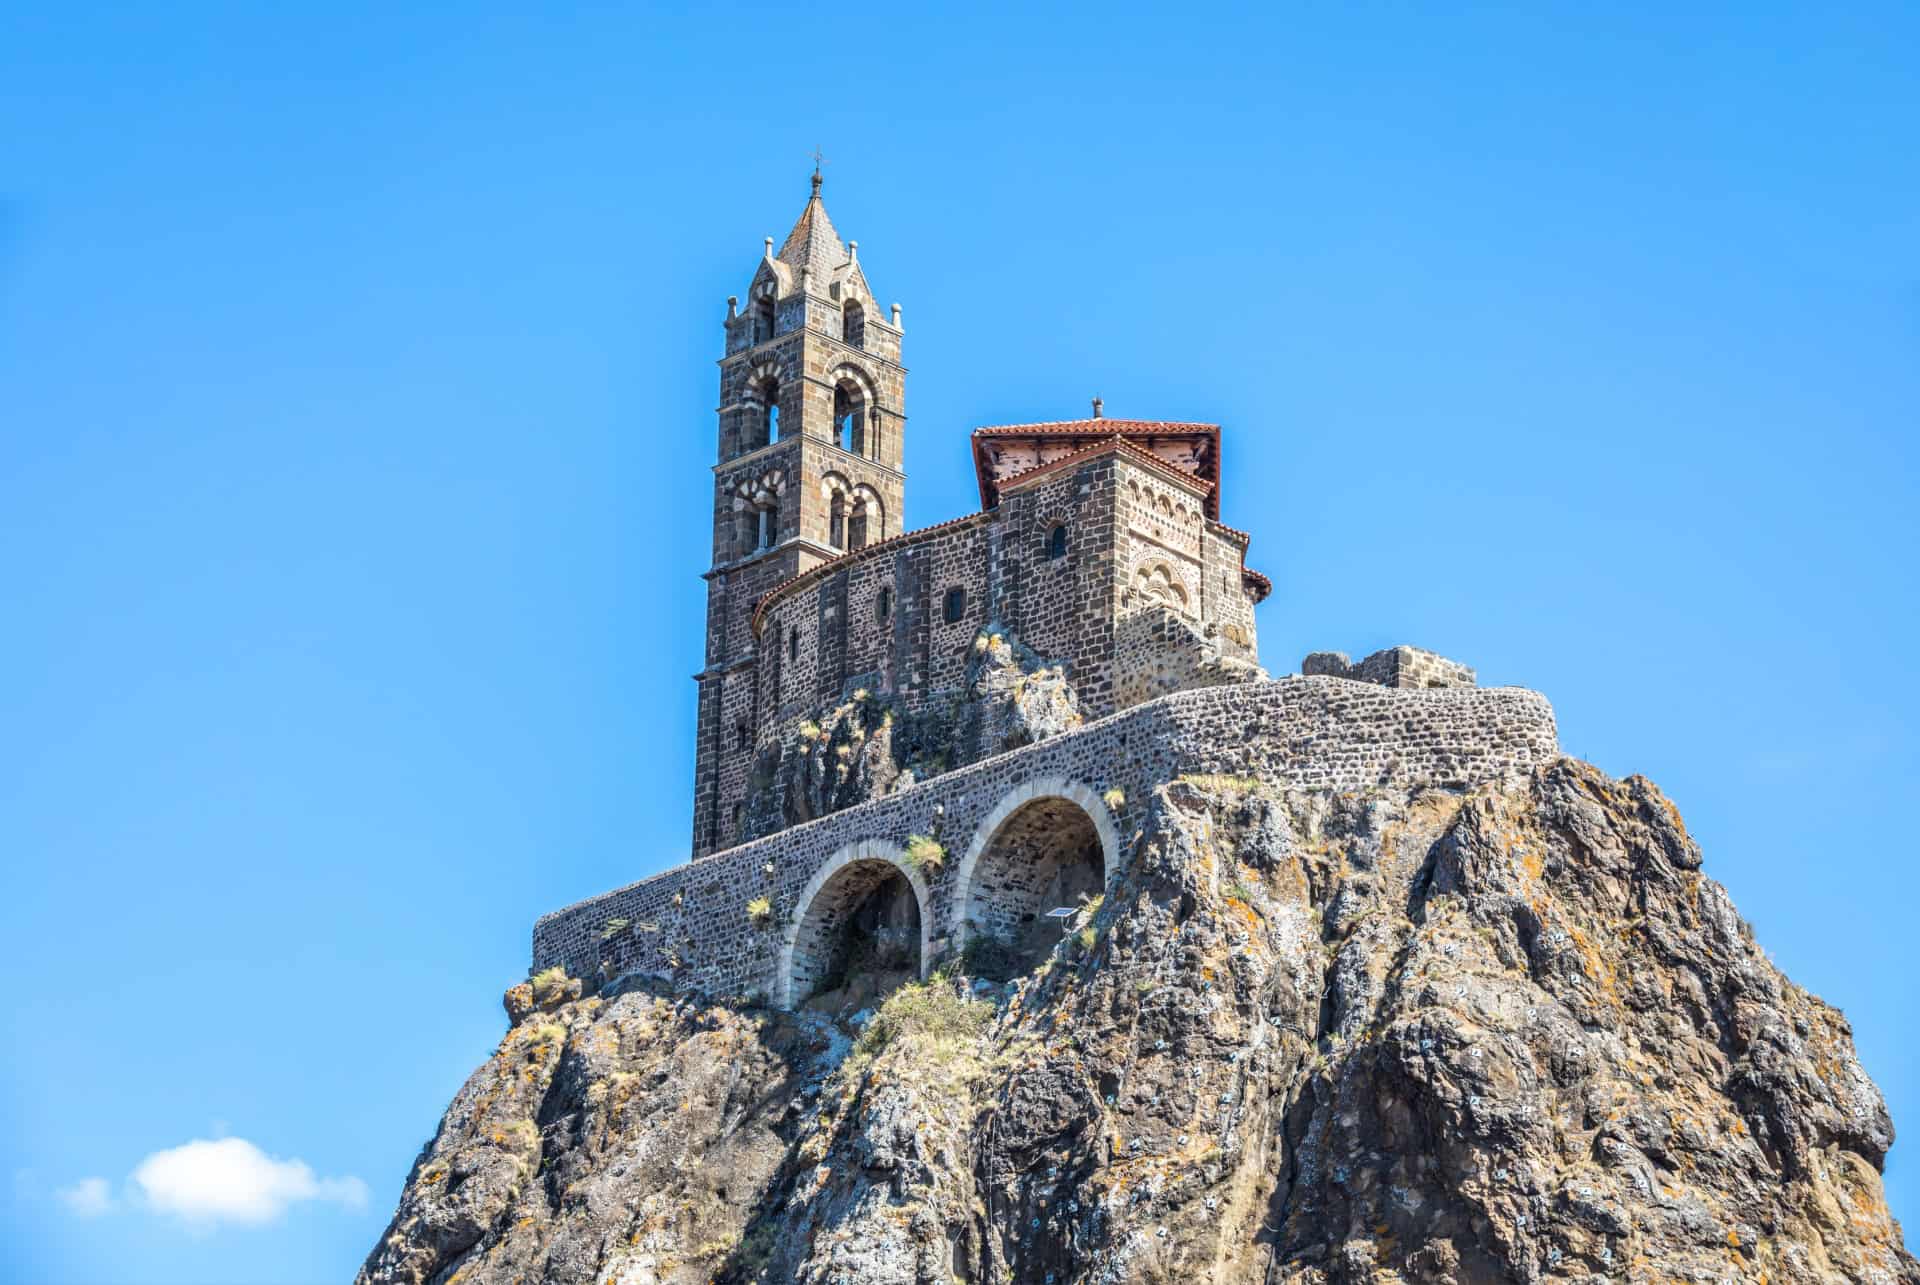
(691, 924)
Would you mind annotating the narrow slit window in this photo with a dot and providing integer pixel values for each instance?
(956, 604)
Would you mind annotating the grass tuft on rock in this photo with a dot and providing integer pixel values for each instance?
(548, 983)
(925, 853)
(1219, 783)
(940, 1024)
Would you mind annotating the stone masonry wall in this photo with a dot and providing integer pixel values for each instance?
(1136, 546)
(692, 924)
(1392, 667)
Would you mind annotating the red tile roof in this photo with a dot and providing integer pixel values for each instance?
(1113, 442)
(1135, 432)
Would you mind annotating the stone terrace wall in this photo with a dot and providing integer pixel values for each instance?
(692, 924)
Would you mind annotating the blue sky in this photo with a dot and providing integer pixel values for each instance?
(356, 397)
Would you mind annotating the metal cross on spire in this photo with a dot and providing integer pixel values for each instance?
(819, 159)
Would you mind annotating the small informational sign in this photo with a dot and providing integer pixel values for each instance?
(1062, 912)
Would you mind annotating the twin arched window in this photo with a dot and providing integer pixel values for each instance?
(853, 518)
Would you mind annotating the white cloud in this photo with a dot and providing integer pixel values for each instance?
(231, 1180)
(88, 1198)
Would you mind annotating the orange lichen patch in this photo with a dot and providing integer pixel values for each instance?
(1673, 815)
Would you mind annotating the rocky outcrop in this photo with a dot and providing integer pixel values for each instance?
(867, 746)
(1507, 1033)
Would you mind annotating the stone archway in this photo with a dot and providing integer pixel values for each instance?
(864, 902)
(1049, 843)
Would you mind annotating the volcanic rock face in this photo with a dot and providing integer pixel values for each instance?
(1511, 1034)
(865, 747)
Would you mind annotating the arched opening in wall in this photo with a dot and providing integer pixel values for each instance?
(845, 412)
(864, 522)
(763, 316)
(757, 417)
(1044, 860)
(850, 415)
(837, 520)
(883, 606)
(763, 415)
(1057, 541)
(858, 939)
(853, 324)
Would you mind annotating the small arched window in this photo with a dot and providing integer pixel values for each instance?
(763, 317)
(837, 521)
(793, 644)
(956, 604)
(883, 606)
(1057, 541)
(842, 419)
(857, 524)
(853, 324)
(765, 424)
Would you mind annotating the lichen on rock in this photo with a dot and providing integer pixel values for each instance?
(1510, 1032)
(867, 746)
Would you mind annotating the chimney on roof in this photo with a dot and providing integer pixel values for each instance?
(1097, 404)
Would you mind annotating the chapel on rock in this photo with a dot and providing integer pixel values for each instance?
(1098, 543)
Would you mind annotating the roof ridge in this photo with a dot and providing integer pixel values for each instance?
(1112, 442)
(814, 242)
(765, 600)
(1097, 425)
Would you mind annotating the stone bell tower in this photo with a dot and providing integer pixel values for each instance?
(809, 468)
